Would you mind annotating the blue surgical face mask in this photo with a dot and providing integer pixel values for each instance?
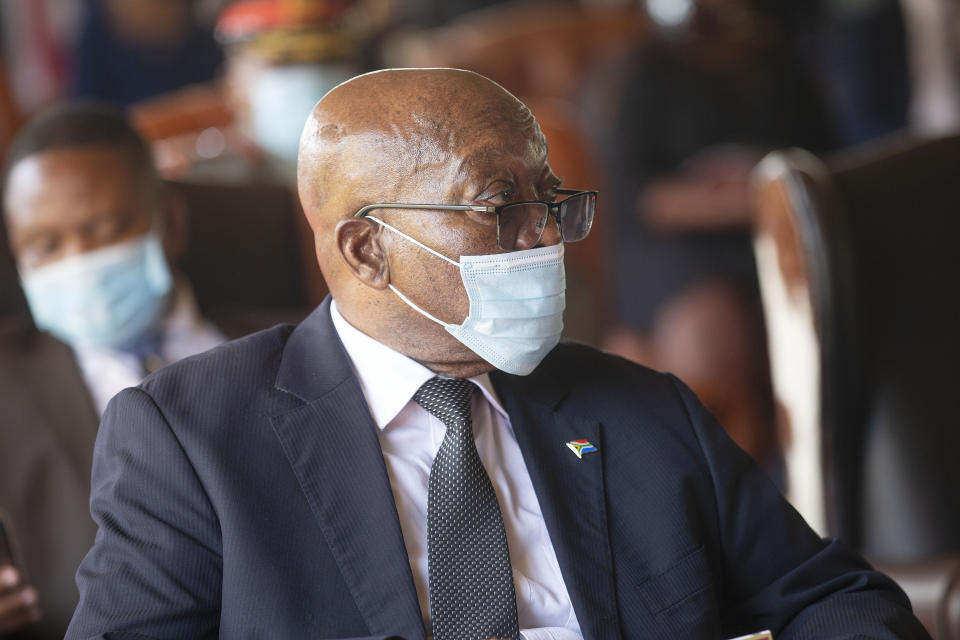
(281, 98)
(108, 298)
(516, 304)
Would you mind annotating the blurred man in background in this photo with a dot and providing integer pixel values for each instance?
(93, 235)
(281, 55)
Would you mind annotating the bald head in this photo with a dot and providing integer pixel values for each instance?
(414, 136)
(384, 133)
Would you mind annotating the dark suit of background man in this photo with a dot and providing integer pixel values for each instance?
(91, 231)
(281, 486)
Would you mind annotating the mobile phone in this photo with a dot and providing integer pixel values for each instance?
(6, 541)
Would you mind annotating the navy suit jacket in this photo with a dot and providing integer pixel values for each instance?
(243, 493)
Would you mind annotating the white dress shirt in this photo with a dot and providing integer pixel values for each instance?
(183, 332)
(410, 438)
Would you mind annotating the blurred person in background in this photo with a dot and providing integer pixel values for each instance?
(281, 55)
(245, 127)
(855, 54)
(93, 235)
(35, 38)
(857, 50)
(129, 50)
(703, 100)
(933, 29)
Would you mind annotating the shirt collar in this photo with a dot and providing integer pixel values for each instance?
(388, 378)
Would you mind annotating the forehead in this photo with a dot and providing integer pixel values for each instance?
(490, 143)
(528, 153)
(414, 134)
(61, 181)
(85, 168)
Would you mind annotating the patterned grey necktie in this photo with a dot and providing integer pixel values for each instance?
(471, 583)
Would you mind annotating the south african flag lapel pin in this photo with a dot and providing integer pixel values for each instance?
(581, 447)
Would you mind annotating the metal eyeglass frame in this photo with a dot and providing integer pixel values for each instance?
(553, 208)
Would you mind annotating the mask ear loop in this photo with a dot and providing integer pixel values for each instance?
(416, 242)
(409, 302)
(415, 307)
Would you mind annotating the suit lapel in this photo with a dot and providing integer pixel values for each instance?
(571, 495)
(332, 446)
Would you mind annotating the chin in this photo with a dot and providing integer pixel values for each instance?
(465, 368)
(446, 356)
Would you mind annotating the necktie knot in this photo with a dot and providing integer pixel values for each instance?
(449, 399)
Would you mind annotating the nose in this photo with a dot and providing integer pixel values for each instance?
(71, 245)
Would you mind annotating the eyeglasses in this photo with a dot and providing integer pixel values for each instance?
(521, 224)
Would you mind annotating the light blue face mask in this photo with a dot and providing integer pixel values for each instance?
(282, 97)
(516, 304)
(110, 297)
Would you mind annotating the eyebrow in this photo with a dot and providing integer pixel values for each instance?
(469, 163)
(29, 236)
(475, 160)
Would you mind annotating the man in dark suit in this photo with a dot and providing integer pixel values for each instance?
(419, 458)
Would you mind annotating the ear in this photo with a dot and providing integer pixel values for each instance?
(359, 243)
(175, 216)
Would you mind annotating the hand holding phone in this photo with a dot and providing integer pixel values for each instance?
(18, 601)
